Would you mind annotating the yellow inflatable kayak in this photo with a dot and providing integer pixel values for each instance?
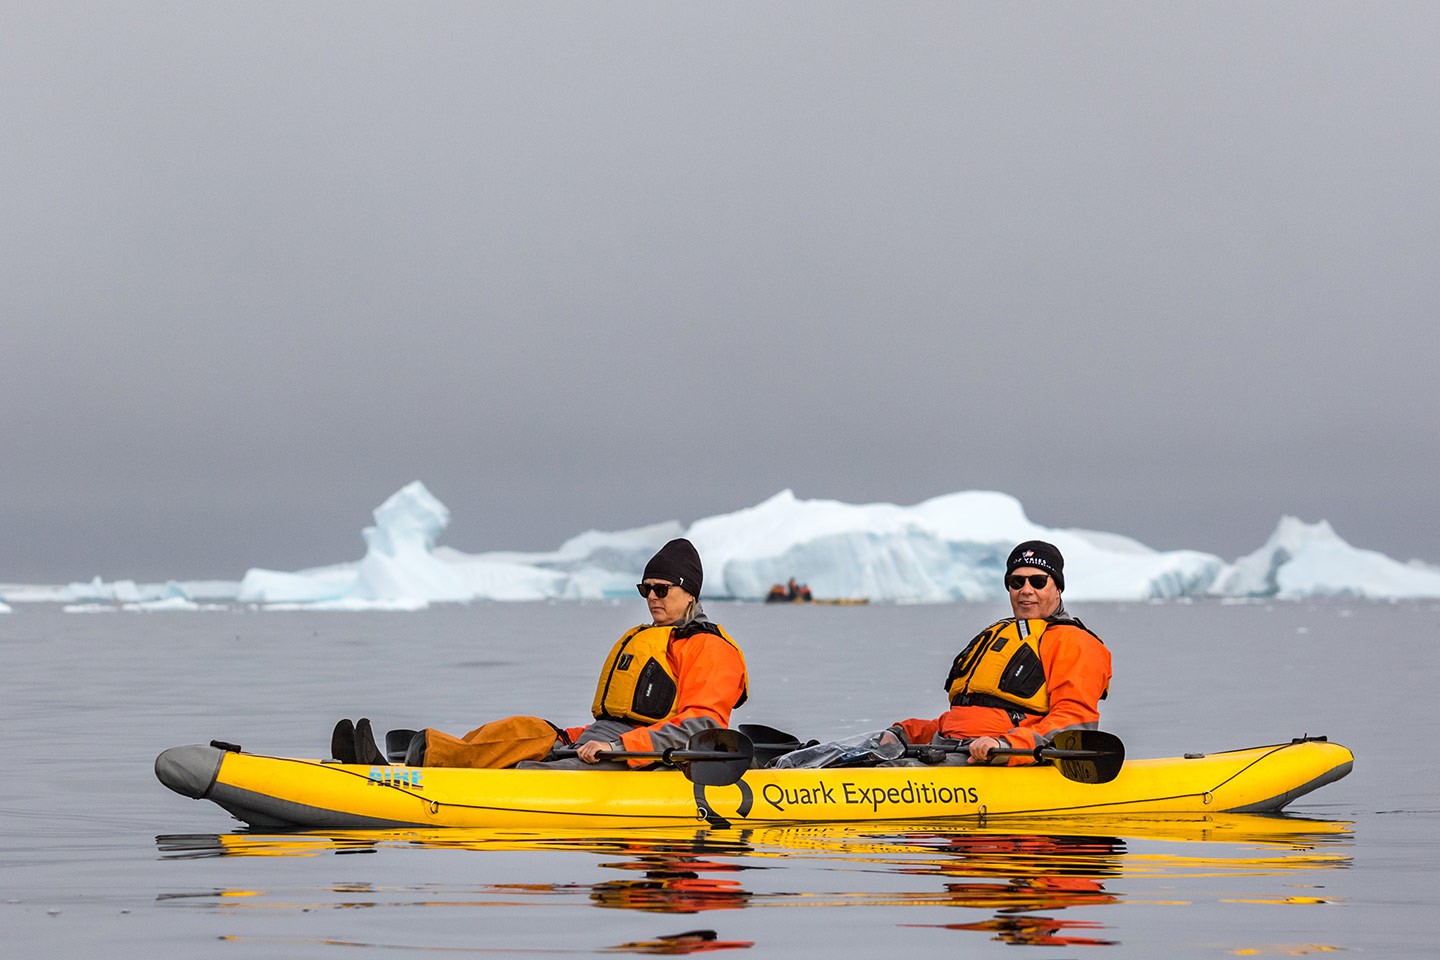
(278, 792)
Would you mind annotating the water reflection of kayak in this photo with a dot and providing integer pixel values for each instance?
(266, 791)
(1011, 868)
(1011, 846)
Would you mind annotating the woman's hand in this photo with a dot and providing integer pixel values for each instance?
(590, 752)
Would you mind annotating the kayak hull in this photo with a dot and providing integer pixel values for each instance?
(290, 793)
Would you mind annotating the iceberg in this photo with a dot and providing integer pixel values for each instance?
(170, 595)
(98, 591)
(399, 562)
(949, 548)
(404, 569)
(400, 557)
(1310, 560)
(99, 594)
(304, 586)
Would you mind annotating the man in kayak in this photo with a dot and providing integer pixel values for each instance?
(1023, 679)
(662, 683)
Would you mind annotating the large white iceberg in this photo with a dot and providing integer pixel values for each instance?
(949, 548)
(952, 547)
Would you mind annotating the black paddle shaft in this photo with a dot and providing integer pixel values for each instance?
(714, 757)
(1085, 756)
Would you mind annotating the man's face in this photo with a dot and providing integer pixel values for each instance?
(1027, 601)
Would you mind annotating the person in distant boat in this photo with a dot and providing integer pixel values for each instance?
(790, 592)
(1024, 679)
(662, 683)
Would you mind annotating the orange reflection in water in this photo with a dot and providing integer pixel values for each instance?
(677, 873)
(1034, 931)
(691, 941)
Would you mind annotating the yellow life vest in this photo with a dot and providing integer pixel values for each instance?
(1002, 668)
(636, 682)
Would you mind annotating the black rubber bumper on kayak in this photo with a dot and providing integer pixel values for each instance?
(1280, 801)
(189, 770)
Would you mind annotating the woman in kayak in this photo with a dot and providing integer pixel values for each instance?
(662, 683)
(1021, 680)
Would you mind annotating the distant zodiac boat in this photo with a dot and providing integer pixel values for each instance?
(278, 792)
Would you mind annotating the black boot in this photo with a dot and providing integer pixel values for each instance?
(342, 742)
(366, 750)
(415, 753)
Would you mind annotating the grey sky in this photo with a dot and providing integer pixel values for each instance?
(1168, 270)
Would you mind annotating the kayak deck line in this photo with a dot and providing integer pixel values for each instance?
(290, 792)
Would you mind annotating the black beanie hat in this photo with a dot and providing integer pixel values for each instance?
(679, 562)
(1041, 556)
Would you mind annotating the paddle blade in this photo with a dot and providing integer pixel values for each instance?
(1096, 740)
(729, 755)
(1107, 755)
(764, 736)
(770, 743)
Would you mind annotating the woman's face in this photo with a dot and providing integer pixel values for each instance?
(666, 610)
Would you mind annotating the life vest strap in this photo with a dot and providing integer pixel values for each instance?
(985, 700)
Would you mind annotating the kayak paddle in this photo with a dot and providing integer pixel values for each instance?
(1085, 756)
(712, 758)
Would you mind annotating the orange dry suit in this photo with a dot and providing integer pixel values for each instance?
(672, 682)
(1022, 681)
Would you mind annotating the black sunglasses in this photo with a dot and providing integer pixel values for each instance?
(660, 590)
(1037, 580)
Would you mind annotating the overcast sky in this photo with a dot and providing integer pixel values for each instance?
(1162, 269)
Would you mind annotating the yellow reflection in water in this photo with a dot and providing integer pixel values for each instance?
(1015, 871)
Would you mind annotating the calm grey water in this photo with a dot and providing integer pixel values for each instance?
(97, 858)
